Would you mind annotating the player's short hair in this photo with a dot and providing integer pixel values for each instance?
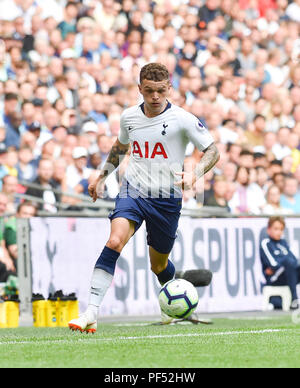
(274, 219)
(154, 72)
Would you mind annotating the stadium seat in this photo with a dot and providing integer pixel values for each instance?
(282, 291)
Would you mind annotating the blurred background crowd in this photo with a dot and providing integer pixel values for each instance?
(68, 70)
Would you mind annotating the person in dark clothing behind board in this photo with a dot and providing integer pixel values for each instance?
(279, 264)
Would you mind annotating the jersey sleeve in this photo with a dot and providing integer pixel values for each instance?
(267, 256)
(123, 134)
(195, 131)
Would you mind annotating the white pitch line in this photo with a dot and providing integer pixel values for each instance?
(88, 338)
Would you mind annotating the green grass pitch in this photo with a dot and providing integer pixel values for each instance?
(229, 343)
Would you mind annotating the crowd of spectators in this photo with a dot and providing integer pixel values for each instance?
(68, 69)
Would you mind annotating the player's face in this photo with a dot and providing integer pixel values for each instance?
(155, 96)
(276, 231)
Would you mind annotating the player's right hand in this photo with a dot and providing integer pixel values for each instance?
(188, 179)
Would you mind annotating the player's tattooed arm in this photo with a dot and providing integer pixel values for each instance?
(115, 157)
(209, 160)
(210, 157)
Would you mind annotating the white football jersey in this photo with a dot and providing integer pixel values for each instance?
(158, 146)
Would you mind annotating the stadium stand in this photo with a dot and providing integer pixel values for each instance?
(68, 69)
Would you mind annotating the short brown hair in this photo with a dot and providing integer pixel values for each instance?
(27, 203)
(154, 72)
(274, 219)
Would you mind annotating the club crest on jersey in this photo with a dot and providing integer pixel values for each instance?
(157, 150)
(164, 130)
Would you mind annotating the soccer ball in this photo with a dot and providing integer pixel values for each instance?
(178, 298)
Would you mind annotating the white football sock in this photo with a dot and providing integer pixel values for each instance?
(100, 283)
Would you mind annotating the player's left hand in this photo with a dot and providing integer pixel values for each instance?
(96, 189)
(188, 179)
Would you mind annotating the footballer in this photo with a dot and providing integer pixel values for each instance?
(158, 133)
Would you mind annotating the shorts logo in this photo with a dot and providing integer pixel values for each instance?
(158, 149)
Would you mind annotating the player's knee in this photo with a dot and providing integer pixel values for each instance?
(115, 243)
